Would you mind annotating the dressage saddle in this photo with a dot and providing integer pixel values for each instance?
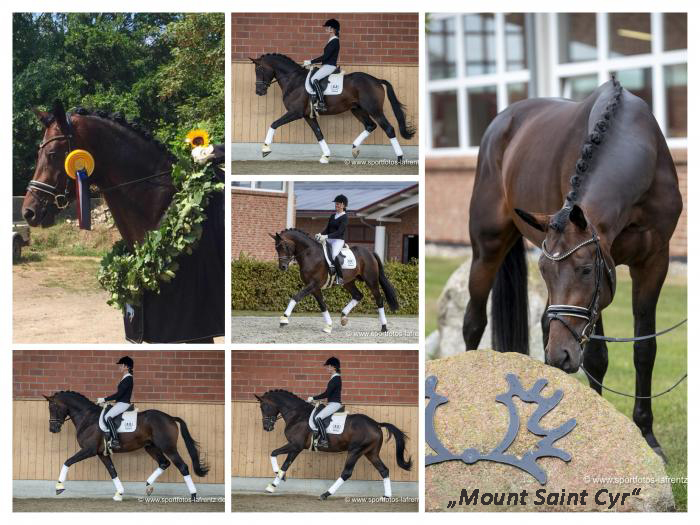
(323, 83)
(340, 257)
(327, 420)
(118, 420)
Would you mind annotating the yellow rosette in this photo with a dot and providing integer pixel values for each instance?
(77, 160)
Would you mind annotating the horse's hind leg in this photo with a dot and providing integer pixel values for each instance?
(369, 125)
(373, 456)
(595, 358)
(389, 130)
(292, 452)
(353, 456)
(107, 462)
(647, 280)
(379, 301)
(356, 295)
(163, 464)
(325, 150)
(174, 455)
(318, 294)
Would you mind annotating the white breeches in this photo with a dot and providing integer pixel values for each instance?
(331, 408)
(322, 72)
(117, 409)
(336, 246)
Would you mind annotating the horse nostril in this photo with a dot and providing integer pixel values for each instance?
(28, 214)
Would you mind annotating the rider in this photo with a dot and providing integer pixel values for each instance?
(335, 232)
(122, 397)
(328, 61)
(332, 393)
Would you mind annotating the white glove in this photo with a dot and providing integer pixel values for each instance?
(307, 63)
(202, 155)
(324, 238)
(100, 400)
(318, 237)
(310, 399)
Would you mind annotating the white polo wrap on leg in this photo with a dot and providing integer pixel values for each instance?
(153, 477)
(190, 484)
(336, 485)
(118, 485)
(387, 487)
(324, 147)
(327, 317)
(268, 137)
(278, 478)
(275, 466)
(290, 307)
(361, 138)
(382, 315)
(397, 147)
(348, 307)
(63, 474)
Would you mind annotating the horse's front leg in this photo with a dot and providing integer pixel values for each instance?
(306, 290)
(325, 150)
(288, 117)
(292, 452)
(107, 462)
(79, 456)
(356, 295)
(318, 294)
(647, 280)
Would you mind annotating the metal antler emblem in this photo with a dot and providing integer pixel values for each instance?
(543, 448)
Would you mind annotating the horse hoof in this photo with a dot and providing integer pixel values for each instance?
(117, 496)
(324, 496)
(343, 321)
(270, 488)
(327, 329)
(660, 452)
(284, 321)
(59, 488)
(324, 160)
(59, 491)
(266, 150)
(399, 159)
(149, 489)
(384, 328)
(355, 152)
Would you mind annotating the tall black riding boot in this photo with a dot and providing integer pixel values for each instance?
(320, 105)
(114, 443)
(338, 270)
(323, 440)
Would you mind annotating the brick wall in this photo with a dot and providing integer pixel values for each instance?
(448, 192)
(254, 214)
(196, 376)
(366, 38)
(369, 376)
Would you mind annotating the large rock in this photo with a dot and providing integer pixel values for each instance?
(603, 444)
(453, 303)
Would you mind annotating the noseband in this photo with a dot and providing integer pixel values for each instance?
(60, 199)
(271, 419)
(266, 83)
(558, 312)
(285, 258)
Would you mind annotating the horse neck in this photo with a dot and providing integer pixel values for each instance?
(78, 411)
(122, 156)
(302, 245)
(288, 407)
(284, 72)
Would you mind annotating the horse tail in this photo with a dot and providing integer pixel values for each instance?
(400, 438)
(509, 304)
(407, 131)
(389, 291)
(199, 466)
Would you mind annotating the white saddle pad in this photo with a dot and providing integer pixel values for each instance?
(128, 423)
(349, 263)
(334, 87)
(337, 423)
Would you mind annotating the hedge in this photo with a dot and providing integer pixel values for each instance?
(261, 286)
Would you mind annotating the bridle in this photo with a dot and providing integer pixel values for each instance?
(266, 83)
(590, 313)
(285, 258)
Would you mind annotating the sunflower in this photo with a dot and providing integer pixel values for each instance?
(197, 137)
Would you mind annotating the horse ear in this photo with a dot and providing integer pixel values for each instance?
(254, 60)
(44, 117)
(578, 218)
(59, 113)
(273, 236)
(535, 222)
(258, 397)
(49, 399)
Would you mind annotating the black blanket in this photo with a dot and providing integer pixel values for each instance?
(191, 306)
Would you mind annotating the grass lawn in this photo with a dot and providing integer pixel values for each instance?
(670, 410)
(64, 239)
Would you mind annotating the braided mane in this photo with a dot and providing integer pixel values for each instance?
(298, 231)
(588, 152)
(283, 57)
(78, 396)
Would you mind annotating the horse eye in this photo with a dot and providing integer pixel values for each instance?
(586, 270)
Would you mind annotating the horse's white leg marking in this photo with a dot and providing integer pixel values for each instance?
(397, 147)
(326, 151)
(360, 139)
(120, 489)
(387, 487)
(382, 316)
(329, 322)
(336, 486)
(275, 466)
(346, 311)
(269, 136)
(153, 477)
(190, 484)
(63, 474)
(290, 307)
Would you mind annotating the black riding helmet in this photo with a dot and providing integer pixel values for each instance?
(334, 362)
(126, 360)
(332, 22)
(342, 199)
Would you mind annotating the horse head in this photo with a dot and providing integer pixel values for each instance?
(580, 277)
(264, 75)
(270, 412)
(50, 188)
(58, 412)
(285, 251)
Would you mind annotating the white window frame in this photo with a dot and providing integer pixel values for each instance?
(253, 186)
(604, 64)
(461, 82)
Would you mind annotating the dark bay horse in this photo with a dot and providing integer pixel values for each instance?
(293, 244)
(133, 173)
(362, 436)
(362, 94)
(607, 161)
(156, 432)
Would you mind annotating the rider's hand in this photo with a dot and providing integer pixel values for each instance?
(318, 237)
(307, 63)
(310, 399)
(324, 237)
(100, 400)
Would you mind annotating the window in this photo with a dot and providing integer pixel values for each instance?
(443, 106)
(274, 185)
(676, 95)
(577, 37)
(630, 34)
(480, 43)
(441, 48)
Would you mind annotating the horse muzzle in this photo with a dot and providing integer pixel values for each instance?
(55, 428)
(37, 213)
(283, 266)
(261, 92)
(268, 427)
